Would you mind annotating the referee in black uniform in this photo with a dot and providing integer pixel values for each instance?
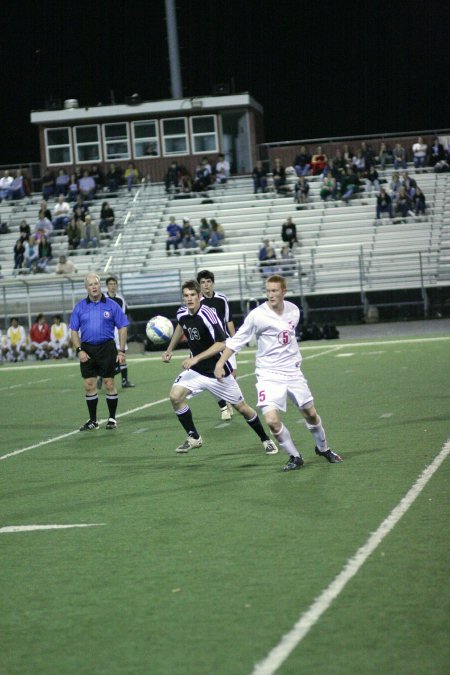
(92, 326)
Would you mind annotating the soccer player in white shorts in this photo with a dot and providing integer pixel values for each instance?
(278, 373)
(205, 335)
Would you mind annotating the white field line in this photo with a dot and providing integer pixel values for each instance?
(32, 528)
(278, 655)
(304, 348)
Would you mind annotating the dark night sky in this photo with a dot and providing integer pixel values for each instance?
(319, 68)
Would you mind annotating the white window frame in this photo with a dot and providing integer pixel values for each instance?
(49, 147)
(106, 141)
(146, 139)
(194, 135)
(77, 144)
(172, 136)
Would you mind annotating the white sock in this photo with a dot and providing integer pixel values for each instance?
(318, 433)
(284, 438)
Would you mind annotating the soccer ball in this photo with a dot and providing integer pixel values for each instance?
(159, 330)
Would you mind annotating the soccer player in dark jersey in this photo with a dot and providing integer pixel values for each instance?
(203, 330)
(220, 303)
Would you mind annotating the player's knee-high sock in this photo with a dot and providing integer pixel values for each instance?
(284, 438)
(92, 402)
(185, 417)
(318, 433)
(124, 372)
(255, 424)
(112, 401)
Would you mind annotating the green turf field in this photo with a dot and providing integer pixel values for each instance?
(200, 564)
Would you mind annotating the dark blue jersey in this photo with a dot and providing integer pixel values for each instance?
(219, 302)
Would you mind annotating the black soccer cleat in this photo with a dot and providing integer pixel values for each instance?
(294, 463)
(111, 423)
(126, 384)
(89, 426)
(331, 456)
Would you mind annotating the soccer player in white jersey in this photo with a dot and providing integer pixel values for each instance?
(278, 373)
(206, 337)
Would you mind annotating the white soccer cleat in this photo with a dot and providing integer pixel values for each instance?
(225, 414)
(189, 443)
(270, 447)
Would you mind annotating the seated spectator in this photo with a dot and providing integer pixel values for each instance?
(287, 262)
(62, 181)
(267, 259)
(222, 169)
(43, 207)
(347, 155)
(17, 190)
(107, 218)
(259, 176)
(403, 203)
(419, 202)
(216, 238)
(61, 214)
(31, 252)
(90, 235)
(72, 188)
(24, 230)
(399, 155)
(5, 185)
(65, 266)
(131, 176)
(80, 208)
(328, 190)
(16, 341)
(48, 184)
(188, 238)
(302, 163)
(204, 232)
(40, 338)
(301, 190)
(409, 183)
(395, 184)
(113, 178)
(359, 162)
(45, 254)
(368, 155)
(98, 176)
(184, 181)
(437, 152)
(350, 184)
(384, 156)
(339, 163)
(419, 149)
(384, 204)
(318, 161)
(59, 339)
(73, 232)
(172, 177)
(86, 186)
(203, 176)
(174, 234)
(372, 180)
(19, 254)
(289, 232)
(43, 224)
(279, 176)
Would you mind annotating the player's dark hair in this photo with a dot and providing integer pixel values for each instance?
(205, 274)
(111, 278)
(191, 285)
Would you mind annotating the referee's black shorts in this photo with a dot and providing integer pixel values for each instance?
(102, 359)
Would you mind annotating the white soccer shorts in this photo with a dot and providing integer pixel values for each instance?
(272, 393)
(228, 388)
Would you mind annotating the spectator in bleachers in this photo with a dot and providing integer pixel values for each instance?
(72, 188)
(437, 152)
(368, 154)
(43, 225)
(174, 235)
(328, 190)
(80, 208)
(403, 203)
(419, 202)
(419, 149)
(287, 262)
(62, 183)
(259, 176)
(372, 180)
(289, 232)
(319, 161)
(5, 185)
(399, 155)
(31, 252)
(267, 259)
(131, 176)
(48, 184)
(65, 266)
(350, 184)
(384, 204)
(40, 338)
(98, 176)
(24, 230)
(204, 233)
(74, 233)
(45, 254)
(203, 176)
(395, 184)
(302, 163)
(44, 207)
(61, 214)
(216, 238)
(107, 218)
(86, 186)
(301, 190)
(19, 254)
(113, 178)
(90, 236)
(409, 183)
(384, 156)
(347, 154)
(222, 169)
(184, 181)
(339, 163)
(359, 162)
(279, 176)
(172, 177)
(17, 189)
(188, 237)
(16, 341)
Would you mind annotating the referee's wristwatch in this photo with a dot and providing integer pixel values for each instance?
(122, 351)
(79, 349)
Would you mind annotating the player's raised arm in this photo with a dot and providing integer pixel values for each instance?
(176, 337)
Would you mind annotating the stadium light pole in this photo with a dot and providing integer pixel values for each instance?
(174, 57)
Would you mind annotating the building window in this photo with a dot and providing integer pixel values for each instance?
(175, 138)
(117, 144)
(204, 134)
(87, 144)
(59, 149)
(145, 139)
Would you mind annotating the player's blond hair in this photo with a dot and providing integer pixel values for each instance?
(277, 279)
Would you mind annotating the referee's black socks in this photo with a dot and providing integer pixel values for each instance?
(112, 400)
(92, 402)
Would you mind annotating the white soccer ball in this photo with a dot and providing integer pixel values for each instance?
(159, 330)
